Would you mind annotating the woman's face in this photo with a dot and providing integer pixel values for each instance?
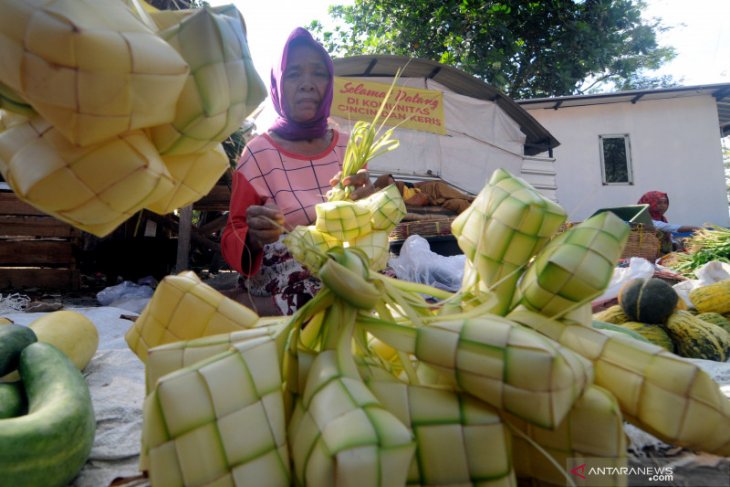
(304, 83)
(662, 204)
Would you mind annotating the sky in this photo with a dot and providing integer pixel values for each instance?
(701, 37)
(703, 45)
(269, 22)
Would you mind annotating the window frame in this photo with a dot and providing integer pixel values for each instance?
(629, 166)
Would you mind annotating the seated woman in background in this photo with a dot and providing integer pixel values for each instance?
(658, 205)
(428, 193)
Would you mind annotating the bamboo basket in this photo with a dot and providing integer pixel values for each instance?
(433, 227)
(642, 242)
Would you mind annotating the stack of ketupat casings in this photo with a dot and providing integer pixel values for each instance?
(370, 383)
(107, 108)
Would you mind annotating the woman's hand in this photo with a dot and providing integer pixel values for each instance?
(688, 229)
(360, 181)
(265, 225)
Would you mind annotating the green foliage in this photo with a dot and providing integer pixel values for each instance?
(234, 144)
(525, 48)
(705, 245)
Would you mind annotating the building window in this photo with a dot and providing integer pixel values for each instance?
(616, 159)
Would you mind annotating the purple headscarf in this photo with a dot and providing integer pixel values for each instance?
(284, 126)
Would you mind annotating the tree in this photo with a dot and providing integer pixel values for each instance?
(525, 48)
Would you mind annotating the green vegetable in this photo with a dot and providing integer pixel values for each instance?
(12, 400)
(705, 245)
(652, 332)
(648, 300)
(613, 314)
(715, 319)
(48, 446)
(617, 328)
(692, 339)
(13, 339)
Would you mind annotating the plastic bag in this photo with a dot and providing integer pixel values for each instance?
(13, 302)
(418, 263)
(639, 268)
(713, 271)
(683, 288)
(126, 295)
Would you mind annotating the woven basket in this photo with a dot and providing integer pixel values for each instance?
(425, 228)
(642, 242)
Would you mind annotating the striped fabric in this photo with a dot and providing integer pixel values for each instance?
(296, 183)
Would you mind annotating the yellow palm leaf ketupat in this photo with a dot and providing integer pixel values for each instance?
(193, 175)
(121, 117)
(183, 308)
(94, 187)
(222, 87)
(90, 67)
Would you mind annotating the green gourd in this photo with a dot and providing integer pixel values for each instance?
(648, 300)
(13, 339)
(48, 446)
(613, 328)
(12, 400)
(715, 319)
(613, 314)
(692, 339)
(653, 333)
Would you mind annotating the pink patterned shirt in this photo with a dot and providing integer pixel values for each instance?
(295, 182)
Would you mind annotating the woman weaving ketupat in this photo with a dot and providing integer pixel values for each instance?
(281, 176)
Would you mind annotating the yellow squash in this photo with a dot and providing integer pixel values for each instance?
(69, 331)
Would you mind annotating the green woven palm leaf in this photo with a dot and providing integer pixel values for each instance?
(575, 267)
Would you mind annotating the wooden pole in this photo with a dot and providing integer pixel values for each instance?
(183, 238)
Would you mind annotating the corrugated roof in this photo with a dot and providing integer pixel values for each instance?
(720, 91)
(538, 138)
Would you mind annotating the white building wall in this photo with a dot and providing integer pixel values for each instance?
(675, 148)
